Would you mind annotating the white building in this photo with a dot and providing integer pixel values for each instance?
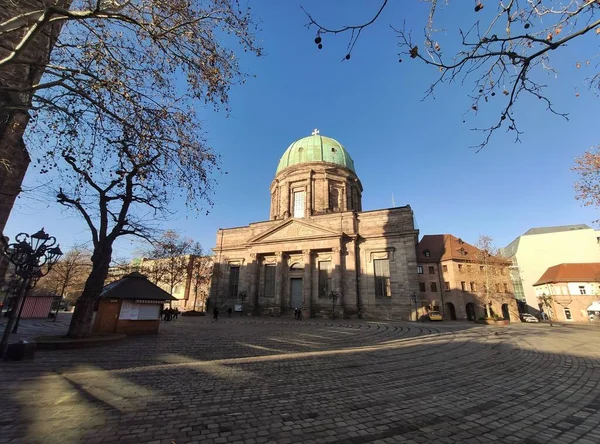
(540, 248)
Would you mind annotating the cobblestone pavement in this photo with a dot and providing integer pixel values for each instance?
(247, 380)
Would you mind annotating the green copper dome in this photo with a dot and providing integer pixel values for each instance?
(315, 148)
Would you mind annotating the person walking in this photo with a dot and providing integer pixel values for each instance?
(215, 314)
(229, 311)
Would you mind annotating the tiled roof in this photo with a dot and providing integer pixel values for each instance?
(578, 272)
(135, 286)
(444, 247)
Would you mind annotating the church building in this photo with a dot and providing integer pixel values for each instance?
(319, 251)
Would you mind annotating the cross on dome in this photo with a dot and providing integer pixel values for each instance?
(315, 132)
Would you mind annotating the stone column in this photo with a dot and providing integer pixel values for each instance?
(338, 274)
(279, 280)
(285, 209)
(254, 269)
(309, 199)
(307, 283)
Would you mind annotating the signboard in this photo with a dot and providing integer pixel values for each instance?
(129, 311)
(238, 307)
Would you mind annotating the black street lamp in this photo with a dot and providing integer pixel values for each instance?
(33, 257)
(243, 295)
(334, 296)
(414, 298)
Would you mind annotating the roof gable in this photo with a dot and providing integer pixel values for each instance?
(293, 229)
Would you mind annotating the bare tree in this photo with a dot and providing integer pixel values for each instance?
(114, 117)
(490, 274)
(501, 52)
(587, 187)
(202, 269)
(170, 260)
(68, 276)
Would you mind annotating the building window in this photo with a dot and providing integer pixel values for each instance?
(234, 280)
(419, 269)
(568, 316)
(299, 204)
(422, 287)
(473, 286)
(269, 281)
(447, 286)
(582, 289)
(444, 268)
(427, 253)
(334, 199)
(383, 285)
(505, 287)
(431, 270)
(433, 286)
(324, 279)
(460, 268)
(177, 289)
(463, 285)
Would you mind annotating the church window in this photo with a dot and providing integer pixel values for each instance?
(334, 199)
(419, 269)
(234, 280)
(324, 279)
(383, 286)
(299, 204)
(269, 281)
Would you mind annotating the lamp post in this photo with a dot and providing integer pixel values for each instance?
(413, 298)
(243, 295)
(32, 256)
(547, 303)
(333, 295)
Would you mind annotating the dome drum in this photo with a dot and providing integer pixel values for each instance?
(315, 176)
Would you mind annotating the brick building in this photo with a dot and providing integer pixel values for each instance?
(572, 290)
(318, 241)
(454, 275)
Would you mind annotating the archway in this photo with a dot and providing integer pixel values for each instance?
(470, 307)
(450, 310)
(505, 312)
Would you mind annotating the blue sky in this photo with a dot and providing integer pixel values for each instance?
(416, 150)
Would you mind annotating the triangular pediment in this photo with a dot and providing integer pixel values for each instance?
(293, 230)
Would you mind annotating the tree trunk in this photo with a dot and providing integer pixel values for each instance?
(81, 322)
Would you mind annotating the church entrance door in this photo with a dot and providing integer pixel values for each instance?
(295, 293)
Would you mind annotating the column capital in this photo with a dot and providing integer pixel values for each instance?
(336, 249)
(253, 256)
(279, 255)
(306, 252)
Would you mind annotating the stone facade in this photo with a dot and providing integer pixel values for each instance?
(318, 242)
(453, 276)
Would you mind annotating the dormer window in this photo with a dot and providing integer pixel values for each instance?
(460, 241)
(427, 253)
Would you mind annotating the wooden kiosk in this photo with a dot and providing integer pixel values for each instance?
(131, 306)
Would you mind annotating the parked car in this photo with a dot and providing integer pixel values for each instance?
(526, 317)
(435, 316)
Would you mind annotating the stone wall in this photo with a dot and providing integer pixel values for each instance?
(296, 246)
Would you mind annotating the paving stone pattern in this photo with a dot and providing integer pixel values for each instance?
(248, 380)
